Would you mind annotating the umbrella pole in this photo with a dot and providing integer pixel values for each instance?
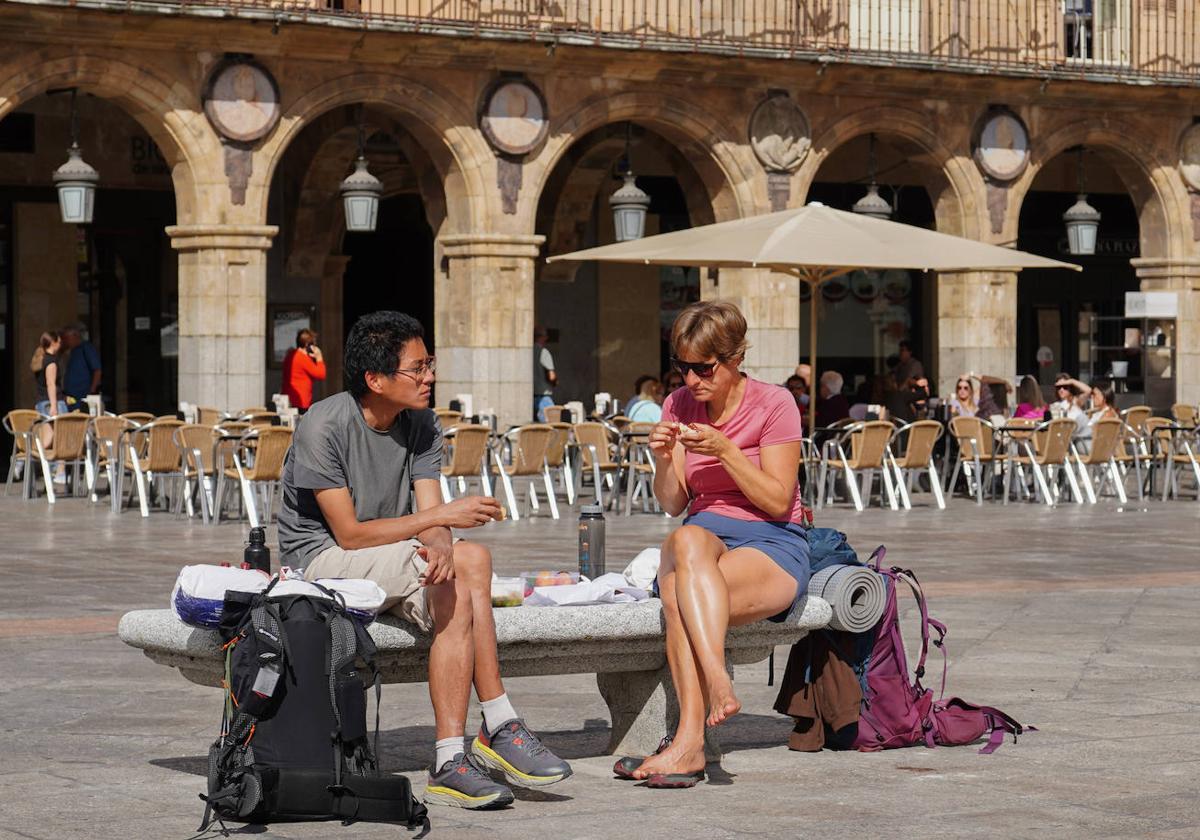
(814, 388)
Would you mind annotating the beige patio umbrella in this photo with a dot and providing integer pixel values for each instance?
(814, 244)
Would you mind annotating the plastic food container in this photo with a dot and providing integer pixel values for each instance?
(547, 578)
(508, 592)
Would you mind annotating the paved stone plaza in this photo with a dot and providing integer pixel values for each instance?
(1080, 621)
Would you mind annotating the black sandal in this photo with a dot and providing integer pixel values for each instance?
(624, 767)
(674, 780)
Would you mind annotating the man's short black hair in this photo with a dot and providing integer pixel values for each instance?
(374, 346)
(906, 345)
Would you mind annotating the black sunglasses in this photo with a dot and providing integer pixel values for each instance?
(702, 369)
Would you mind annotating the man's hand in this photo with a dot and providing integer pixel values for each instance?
(469, 512)
(441, 564)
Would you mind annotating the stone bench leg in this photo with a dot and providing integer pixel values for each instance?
(644, 708)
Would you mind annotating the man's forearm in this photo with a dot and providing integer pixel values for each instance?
(384, 531)
(96, 375)
(437, 536)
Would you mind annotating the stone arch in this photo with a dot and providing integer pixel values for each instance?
(1153, 185)
(955, 185)
(442, 126)
(723, 163)
(169, 113)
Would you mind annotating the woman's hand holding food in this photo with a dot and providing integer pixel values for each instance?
(704, 440)
(663, 438)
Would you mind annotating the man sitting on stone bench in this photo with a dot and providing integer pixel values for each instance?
(357, 461)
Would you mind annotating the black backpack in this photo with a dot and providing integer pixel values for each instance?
(293, 741)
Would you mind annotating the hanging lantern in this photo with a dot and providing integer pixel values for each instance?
(1083, 226)
(1082, 221)
(360, 197)
(629, 206)
(75, 180)
(872, 204)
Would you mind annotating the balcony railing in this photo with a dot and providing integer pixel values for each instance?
(1133, 40)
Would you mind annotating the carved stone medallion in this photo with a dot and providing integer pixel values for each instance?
(1001, 145)
(1189, 156)
(779, 134)
(513, 116)
(241, 100)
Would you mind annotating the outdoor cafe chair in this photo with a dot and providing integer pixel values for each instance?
(467, 448)
(208, 416)
(261, 419)
(1171, 455)
(68, 444)
(977, 457)
(596, 458)
(528, 445)
(1045, 448)
(141, 418)
(104, 451)
(558, 458)
(554, 413)
(198, 452)
(448, 417)
(868, 442)
(18, 423)
(1098, 467)
(919, 438)
(160, 463)
(1184, 414)
(639, 468)
(258, 457)
(1135, 418)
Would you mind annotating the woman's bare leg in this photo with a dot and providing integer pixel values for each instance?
(686, 753)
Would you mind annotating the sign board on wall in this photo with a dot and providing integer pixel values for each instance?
(1151, 305)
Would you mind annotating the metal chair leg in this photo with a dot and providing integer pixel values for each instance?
(550, 499)
(506, 482)
(935, 483)
(852, 483)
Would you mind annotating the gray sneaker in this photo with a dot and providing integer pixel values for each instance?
(519, 754)
(461, 783)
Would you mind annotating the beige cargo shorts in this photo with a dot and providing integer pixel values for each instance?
(396, 567)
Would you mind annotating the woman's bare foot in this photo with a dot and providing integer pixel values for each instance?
(724, 704)
(677, 758)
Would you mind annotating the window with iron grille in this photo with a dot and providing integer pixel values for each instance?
(1097, 30)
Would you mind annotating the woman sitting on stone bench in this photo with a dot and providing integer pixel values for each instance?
(728, 450)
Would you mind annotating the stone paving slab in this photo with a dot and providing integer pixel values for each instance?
(1080, 621)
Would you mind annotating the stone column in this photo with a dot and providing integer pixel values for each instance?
(1181, 276)
(771, 304)
(976, 326)
(222, 313)
(483, 322)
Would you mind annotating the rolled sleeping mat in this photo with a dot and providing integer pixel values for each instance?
(854, 593)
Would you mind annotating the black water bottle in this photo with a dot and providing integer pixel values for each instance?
(257, 555)
(591, 541)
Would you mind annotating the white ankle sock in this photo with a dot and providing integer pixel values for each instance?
(497, 711)
(446, 748)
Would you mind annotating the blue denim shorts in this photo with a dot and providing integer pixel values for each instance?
(784, 542)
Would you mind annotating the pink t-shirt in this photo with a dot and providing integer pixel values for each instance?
(767, 416)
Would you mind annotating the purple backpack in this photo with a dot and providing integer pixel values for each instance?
(900, 712)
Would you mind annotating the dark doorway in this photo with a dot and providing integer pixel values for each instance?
(391, 268)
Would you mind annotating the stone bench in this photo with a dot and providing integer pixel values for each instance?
(622, 644)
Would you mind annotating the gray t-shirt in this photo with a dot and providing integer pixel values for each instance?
(542, 362)
(334, 447)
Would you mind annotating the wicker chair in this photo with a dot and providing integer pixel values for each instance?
(448, 417)
(104, 435)
(639, 469)
(1045, 448)
(68, 444)
(554, 413)
(1099, 466)
(160, 463)
(868, 444)
(977, 458)
(528, 445)
(558, 459)
(198, 447)
(18, 423)
(920, 438)
(141, 418)
(1170, 455)
(1184, 414)
(270, 446)
(208, 416)
(468, 459)
(595, 457)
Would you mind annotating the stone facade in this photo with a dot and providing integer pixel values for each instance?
(484, 208)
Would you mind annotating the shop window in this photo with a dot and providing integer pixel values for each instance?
(1097, 30)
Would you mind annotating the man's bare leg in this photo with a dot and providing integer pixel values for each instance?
(473, 567)
(451, 655)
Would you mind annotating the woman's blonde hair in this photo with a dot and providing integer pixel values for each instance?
(39, 355)
(711, 328)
